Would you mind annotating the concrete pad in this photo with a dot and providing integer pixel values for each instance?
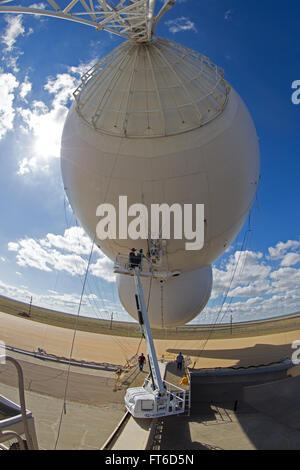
(246, 431)
(279, 400)
(84, 388)
(83, 426)
(134, 436)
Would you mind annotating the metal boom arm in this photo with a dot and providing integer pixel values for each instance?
(145, 325)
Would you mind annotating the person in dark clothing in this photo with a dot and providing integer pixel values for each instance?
(135, 259)
(139, 257)
(179, 361)
(141, 361)
(132, 261)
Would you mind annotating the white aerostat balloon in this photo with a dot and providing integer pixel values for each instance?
(158, 123)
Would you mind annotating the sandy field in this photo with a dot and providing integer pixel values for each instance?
(29, 335)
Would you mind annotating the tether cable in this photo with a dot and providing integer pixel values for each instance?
(63, 411)
(227, 290)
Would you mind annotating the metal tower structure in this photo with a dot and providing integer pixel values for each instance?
(130, 19)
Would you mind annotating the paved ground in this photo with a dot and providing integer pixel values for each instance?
(94, 405)
(227, 430)
(134, 436)
(83, 426)
(278, 400)
(237, 413)
(92, 388)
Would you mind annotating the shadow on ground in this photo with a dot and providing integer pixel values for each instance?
(256, 355)
(176, 435)
(245, 410)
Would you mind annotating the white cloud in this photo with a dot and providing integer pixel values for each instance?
(241, 269)
(290, 259)
(62, 87)
(103, 268)
(74, 240)
(12, 246)
(66, 302)
(281, 248)
(42, 121)
(40, 5)
(46, 124)
(11, 62)
(25, 88)
(32, 253)
(258, 289)
(49, 253)
(28, 165)
(8, 83)
(13, 30)
(82, 68)
(251, 290)
(286, 280)
(181, 24)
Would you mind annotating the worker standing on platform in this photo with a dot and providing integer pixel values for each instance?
(132, 260)
(179, 361)
(141, 361)
(139, 257)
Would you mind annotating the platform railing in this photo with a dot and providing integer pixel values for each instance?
(147, 269)
(176, 396)
(123, 266)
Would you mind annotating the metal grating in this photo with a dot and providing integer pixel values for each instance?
(151, 90)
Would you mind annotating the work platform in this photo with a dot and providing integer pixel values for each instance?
(132, 433)
(147, 268)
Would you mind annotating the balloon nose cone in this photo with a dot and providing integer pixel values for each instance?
(151, 90)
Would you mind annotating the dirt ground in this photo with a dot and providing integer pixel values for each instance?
(23, 333)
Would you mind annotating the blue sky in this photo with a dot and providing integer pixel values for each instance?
(43, 251)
